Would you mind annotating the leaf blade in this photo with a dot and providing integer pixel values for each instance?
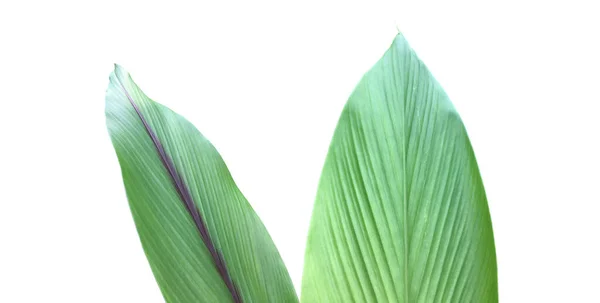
(186, 268)
(399, 197)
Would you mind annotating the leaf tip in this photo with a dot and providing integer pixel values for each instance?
(117, 67)
(119, 71)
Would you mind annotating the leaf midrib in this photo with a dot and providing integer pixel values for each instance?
(187, 199)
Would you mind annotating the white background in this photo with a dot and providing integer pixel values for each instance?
(265, 81)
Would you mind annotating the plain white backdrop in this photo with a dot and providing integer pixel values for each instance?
(265, 81)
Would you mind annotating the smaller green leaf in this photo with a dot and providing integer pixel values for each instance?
(202, 238)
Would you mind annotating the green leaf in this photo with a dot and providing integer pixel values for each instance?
(401, 213)
(202, 238)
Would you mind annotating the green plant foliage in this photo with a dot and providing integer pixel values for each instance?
(400, 216)
(401, 213)
(234, 255)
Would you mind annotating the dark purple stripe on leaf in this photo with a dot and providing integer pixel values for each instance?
(187, 200)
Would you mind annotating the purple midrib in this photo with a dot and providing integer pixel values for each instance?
(187, 200)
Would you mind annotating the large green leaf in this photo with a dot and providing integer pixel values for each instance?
(401, 213)
(202, 238)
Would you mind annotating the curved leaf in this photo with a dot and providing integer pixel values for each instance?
(401, 213)
(202, 238)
